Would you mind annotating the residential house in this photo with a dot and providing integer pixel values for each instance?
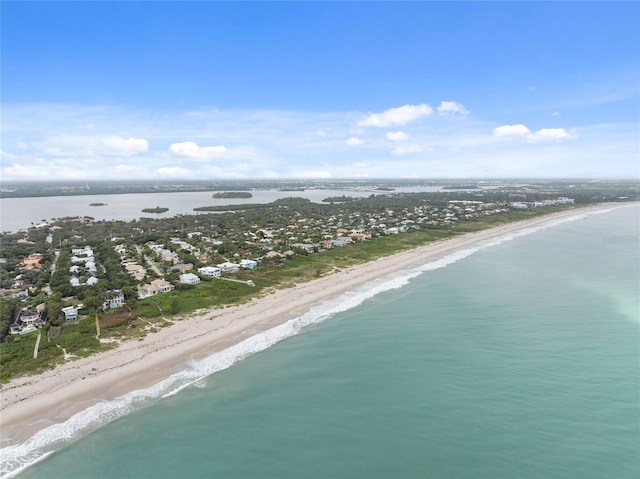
(157, 286)
(25, 319)
(340, 242)
(210, 271)
(70, 313)
(182, 268)
(87, 251)
(228, 267)
(112, 299)
(137, 271)
(189, 278)
(309, 248)
(248, 264)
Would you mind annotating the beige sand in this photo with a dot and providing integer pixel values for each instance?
(32, 403)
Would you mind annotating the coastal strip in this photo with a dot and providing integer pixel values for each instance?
(30, 404)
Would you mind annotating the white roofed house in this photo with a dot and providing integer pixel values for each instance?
(210, 271)
(87, 251)
(70, 313)
(248, 264)
(189, 278)
(112, 299)
(91, 267)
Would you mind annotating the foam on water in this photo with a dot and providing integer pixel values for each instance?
(15, 458)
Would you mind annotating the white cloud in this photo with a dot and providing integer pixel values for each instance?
(397, 135)
(451, 107)
(354, 141)
(397, 116)
(511, 130)
(361, 164)
(551, 134)
(321, 133)
(405, 150)
(91, 145)
(540, 136)
(190, 150)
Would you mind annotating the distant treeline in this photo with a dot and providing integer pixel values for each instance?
(232, 194)
(286, 202)
(338, 199)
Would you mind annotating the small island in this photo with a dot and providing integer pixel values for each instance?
(97, 204)
(232, 194)
(157, 209)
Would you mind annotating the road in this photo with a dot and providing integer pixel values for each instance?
(47, 288)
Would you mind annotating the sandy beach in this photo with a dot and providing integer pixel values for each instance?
(29, 404)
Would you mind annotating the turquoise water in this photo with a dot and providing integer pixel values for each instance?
(519, 360)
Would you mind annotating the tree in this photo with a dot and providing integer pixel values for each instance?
(54, 309)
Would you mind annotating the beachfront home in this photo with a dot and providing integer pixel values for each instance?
(157, 286)
(25, 319)
(70, 313)
(228, 267)
(248, 264)
(188, 278)
(309, 248)
(112, 299)
(210, 271)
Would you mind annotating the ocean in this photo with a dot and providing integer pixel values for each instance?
(518, 358)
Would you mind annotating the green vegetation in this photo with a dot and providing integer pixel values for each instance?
(232, 194)
(16, 356)
(157, 209)
(338, 199)
(286, 202)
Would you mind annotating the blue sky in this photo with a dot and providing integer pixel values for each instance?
(193, 90)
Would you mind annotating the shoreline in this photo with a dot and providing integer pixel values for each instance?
(32, 403)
